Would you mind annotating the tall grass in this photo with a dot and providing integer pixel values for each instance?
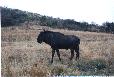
(22, 56)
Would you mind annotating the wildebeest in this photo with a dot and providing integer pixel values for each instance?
(58, 41)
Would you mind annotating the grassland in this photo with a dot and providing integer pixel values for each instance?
(22, 56)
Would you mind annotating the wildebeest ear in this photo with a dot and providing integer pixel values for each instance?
(44, 30)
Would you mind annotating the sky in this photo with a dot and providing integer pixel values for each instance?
(97, 11)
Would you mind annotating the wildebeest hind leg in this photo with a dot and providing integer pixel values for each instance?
(53, 52)
(77, 52)
(58, 54)
(72, 54)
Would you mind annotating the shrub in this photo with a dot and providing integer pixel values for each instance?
(93, 65)
(58, 70)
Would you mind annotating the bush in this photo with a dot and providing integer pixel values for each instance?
(58, 70)
(93, 65)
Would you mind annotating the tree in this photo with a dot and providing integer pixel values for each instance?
(109, 27)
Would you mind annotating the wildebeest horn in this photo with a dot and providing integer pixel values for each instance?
(44, 29)
(39, 29)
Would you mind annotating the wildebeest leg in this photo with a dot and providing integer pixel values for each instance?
(77, 52)
(72, 54)
(58, 54)
(53, 52)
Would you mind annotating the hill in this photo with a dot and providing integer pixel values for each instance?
(16, 17)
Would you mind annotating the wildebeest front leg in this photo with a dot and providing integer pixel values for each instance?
(77, 52)
(53, 52)
(72, 54)
(58, 54)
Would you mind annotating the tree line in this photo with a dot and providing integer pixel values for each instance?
(15, 17)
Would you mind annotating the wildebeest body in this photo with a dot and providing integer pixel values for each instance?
(60, 41)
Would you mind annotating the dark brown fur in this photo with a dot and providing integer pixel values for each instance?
(60, 41)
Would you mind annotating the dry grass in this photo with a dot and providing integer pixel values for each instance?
(22, 56)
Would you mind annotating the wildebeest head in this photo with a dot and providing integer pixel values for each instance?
(41, 37)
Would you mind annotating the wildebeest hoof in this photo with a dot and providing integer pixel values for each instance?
(76, 58)
(51, 61)
(70, 58)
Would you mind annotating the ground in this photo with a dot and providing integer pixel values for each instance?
(22, 56)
